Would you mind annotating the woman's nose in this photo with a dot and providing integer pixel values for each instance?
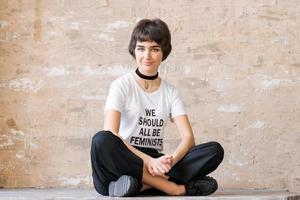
(147, 54)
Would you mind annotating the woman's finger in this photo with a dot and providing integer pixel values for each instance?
(150, 170)
(163, 168)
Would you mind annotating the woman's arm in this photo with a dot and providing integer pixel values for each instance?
(187, 138)
(112, 123)
(155, 166)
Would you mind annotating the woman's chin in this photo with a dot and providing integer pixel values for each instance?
(149, 69)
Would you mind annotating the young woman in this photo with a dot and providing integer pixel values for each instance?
(127, 155)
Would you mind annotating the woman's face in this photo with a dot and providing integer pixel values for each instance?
(148, 56)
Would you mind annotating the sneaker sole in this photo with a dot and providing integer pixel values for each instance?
(214, 186)
(125, 186)
(212, 182)
(206, 187)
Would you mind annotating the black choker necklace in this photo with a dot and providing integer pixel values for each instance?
(137, 71)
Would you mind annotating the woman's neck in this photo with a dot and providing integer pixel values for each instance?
(145, 76)
(148, 85)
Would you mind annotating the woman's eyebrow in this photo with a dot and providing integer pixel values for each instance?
(154, 46)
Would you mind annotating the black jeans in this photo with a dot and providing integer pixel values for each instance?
(111, 159)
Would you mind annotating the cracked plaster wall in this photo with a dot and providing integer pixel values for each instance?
(236, 63)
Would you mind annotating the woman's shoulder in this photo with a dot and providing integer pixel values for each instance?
(170, 90)
(168, 86)
(124, 82)
(124, 79)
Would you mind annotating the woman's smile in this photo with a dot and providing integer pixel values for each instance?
(147, 63)
(148, 55)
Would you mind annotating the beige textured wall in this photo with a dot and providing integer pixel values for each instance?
(237, 64)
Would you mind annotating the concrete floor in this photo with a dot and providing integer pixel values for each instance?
(90, 194)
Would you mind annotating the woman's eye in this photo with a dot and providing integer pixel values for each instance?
(140, 49)
(155, 50)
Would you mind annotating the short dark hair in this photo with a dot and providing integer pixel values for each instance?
(151, 30)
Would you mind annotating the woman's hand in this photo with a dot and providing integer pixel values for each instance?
(160, 166)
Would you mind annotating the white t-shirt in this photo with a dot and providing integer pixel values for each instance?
(143, 114)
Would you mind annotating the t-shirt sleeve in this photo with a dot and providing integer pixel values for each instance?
(177, 105)
(115, 98)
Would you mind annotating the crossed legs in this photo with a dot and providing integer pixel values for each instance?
(110, 158)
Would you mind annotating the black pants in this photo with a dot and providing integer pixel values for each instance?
(111, 158)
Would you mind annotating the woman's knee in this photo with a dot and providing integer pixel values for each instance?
(103, 139)
(217, 149)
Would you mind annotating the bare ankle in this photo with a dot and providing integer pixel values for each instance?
(181, 190)
(145, 187)
(177, 190)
